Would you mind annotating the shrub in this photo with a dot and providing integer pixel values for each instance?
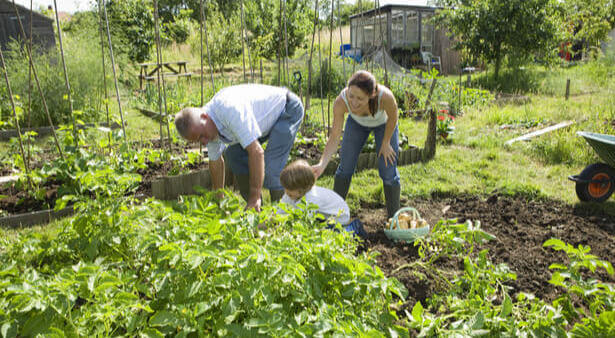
(83, 62)
(332, 81)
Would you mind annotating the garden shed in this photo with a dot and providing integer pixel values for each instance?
(408, 28)
(42, 26)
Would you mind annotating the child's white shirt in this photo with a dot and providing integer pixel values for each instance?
(329, 203)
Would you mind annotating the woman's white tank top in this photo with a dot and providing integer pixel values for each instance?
(369, 121)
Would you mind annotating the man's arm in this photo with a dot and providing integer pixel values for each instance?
(256, 162)
(216, 168)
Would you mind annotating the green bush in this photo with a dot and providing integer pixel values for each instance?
(84, 66)
(180, 29)
(223, 38)
(331, 81)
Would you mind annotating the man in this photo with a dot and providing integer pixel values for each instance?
(236, 122)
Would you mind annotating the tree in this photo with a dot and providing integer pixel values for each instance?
(349, 9)
(496, 29)
(132, 23)
(263, 23)
(589, 21)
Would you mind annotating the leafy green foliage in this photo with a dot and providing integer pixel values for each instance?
(476, 300)
(224, 38)
(90, 172)
(84, 69)
(263, 22)
(598, 298)
(349, 9)
(492, 30)
(588, 21)
(202, 266)
(132, 23)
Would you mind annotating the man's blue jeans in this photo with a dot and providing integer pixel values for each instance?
(279, 142)
(353, 141)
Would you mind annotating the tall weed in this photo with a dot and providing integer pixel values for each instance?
(84, 66)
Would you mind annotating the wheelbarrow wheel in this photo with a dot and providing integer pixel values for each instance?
(596, 183)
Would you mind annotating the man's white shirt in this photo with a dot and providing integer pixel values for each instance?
(242, 114)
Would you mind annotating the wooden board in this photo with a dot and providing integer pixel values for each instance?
(540, 132)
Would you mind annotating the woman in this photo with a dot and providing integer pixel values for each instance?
(371, 108)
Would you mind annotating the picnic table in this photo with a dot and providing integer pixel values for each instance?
(169, 69)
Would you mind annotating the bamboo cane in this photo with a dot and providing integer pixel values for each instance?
(286, 46)
(104, 71)
(307, 95)
(339, 21)
(243, 48)
(211, 68)
(322, 104)
(117, 88)
(162, 95)
(201, 50)
(10, 92)
(66, 82)
(330, 69)
(30, 85)
(384, 47)
(38, 84)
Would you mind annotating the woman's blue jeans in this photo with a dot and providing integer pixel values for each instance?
(353, 141)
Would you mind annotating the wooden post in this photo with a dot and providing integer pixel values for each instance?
(261, 61)
(430, 142)
(567, 89)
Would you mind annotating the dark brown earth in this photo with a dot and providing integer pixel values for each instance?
(15, 200)
(520, 227)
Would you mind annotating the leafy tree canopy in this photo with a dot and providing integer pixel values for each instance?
(493, 29)
(589, 21)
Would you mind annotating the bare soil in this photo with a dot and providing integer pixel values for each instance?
(520, 227)
(16, 200)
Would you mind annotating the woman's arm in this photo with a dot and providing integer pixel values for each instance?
(339, 109)
(390, 107)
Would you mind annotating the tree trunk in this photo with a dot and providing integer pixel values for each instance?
(498, 61)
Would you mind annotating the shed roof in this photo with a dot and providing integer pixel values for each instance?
(6, 7)
(409, 4)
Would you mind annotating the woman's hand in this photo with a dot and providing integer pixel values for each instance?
(318, 169)
(387, 152)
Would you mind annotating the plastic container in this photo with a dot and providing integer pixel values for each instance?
(396, 234)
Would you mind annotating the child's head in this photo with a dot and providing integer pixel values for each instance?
(297, 179)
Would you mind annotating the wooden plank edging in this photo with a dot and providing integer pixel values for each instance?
(34, 218)
(170, 187)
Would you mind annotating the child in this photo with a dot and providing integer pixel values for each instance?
(298, 181)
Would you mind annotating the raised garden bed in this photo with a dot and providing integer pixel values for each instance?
(171, 187)
(159, 182)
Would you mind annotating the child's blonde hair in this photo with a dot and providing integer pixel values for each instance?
(298, 176)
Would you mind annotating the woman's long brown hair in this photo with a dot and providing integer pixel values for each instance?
(367, 83)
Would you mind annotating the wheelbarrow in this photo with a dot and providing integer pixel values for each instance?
(596, 182)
